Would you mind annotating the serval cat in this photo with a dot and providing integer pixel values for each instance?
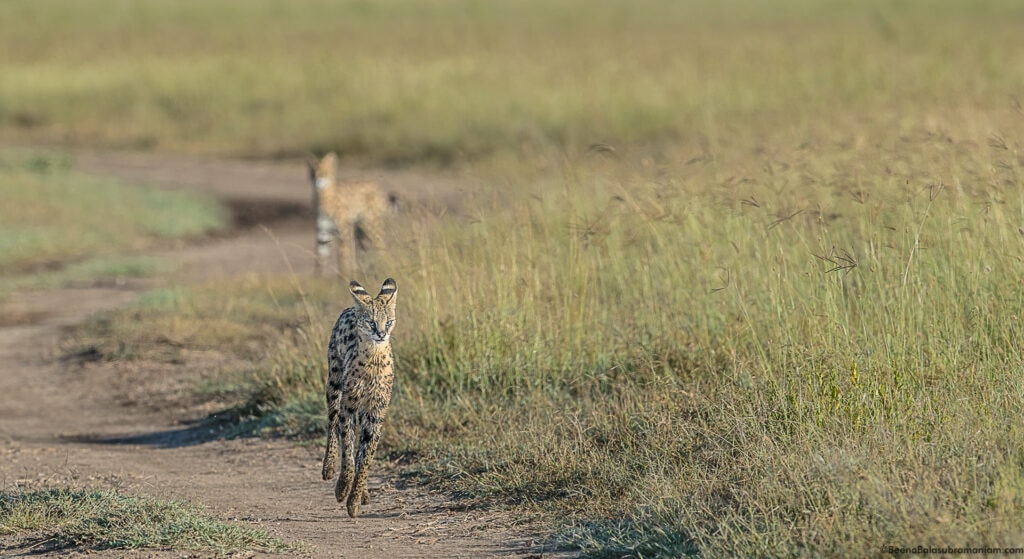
(361, 374)
(350, 212)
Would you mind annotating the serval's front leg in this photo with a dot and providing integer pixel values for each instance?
(344, 486)
(331, 452)
(346, 252)
(324, 235)
(360, 459)
(369, 437)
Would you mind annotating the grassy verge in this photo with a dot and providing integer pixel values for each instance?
(112, 270)
(52, 216)
(92, 520)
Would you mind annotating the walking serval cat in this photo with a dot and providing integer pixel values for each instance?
(360, 376)
(350, 212)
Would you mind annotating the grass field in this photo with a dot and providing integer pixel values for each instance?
(778, 314)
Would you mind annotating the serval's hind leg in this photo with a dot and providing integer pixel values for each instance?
(330, 468)
(369, 437)
(372, 234)
(346, 240)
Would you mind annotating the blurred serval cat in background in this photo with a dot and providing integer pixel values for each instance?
(349, 213)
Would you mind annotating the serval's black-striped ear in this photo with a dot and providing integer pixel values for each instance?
(312, 163)
(359, 294)
(388, 291)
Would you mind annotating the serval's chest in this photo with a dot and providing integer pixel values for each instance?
(370, 377)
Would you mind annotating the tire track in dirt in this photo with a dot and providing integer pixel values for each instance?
(68, 421)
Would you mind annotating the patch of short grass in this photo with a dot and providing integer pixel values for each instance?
(243, 317)
(102, 270)
(52, 214)
(56, 519)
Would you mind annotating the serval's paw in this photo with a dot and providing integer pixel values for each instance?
(353, 508)
(330, 470)
(342, 491)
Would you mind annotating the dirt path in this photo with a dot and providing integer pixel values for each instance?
(78, 421)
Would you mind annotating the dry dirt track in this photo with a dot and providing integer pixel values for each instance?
(82, 422)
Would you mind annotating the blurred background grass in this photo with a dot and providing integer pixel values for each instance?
(776, 312)
(449, 80)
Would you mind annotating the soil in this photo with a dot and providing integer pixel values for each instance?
(72, 419)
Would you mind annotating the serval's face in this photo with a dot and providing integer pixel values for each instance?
(323, 172)
(375, 316)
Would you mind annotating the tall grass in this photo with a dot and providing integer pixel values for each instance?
(817, 361)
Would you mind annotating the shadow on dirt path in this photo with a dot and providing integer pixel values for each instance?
(194, 432)
(66, 421)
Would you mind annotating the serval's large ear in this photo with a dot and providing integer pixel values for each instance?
(359, 294)
(329, 165)
(312, 163)
(388, 291)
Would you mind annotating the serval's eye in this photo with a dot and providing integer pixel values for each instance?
(389, 324)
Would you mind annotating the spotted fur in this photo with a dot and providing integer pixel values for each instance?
(350, 213)
(360, 378)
